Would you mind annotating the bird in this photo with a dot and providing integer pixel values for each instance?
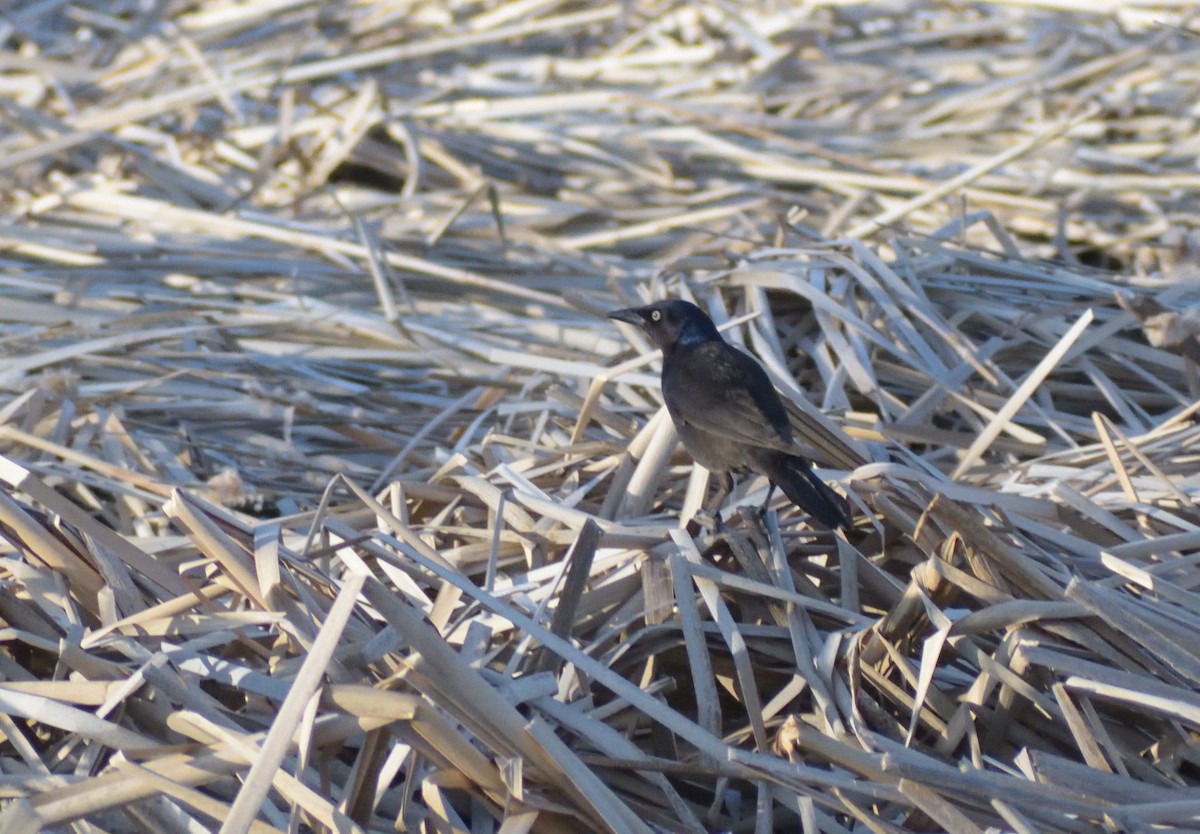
(727, 412)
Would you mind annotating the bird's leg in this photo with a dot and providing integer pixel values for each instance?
(713, 508)
(767, 503)
(723, 496)
(723, 490)
(764, 511)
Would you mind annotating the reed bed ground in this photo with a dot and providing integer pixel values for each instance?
(332, 502)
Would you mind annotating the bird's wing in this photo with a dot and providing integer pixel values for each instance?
(820, 439)
(717, 388)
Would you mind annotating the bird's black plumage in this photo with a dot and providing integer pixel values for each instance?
(725, 408)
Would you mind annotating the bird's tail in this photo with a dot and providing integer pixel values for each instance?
(795, 477)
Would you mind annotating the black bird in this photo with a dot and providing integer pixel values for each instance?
(727, 411)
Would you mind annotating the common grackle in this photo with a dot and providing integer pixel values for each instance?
(726, 410)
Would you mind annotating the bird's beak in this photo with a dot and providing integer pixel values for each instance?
(629, 315)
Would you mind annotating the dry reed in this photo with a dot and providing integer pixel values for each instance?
(332, 503)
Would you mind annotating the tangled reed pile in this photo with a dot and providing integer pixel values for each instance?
(331, 501)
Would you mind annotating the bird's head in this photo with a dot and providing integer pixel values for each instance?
(670, 323)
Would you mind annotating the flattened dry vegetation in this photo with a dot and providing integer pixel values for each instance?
(332, 502)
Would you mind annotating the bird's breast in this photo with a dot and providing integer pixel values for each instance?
(688, 381)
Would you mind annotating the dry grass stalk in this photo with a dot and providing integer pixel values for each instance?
(331, 503)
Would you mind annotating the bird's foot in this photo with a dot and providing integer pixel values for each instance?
(765, 520)
(711, 521)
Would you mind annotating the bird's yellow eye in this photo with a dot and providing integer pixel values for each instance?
(655, 315)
